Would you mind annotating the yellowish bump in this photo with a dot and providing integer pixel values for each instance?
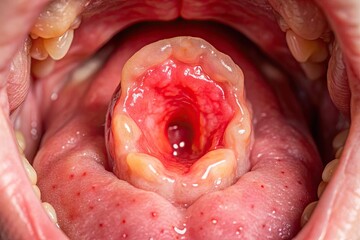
(329, 170)
(37, 191)
(308, 212)
(30, 171)
(340, 138)
(321, 188)
(145, 166)
(49, 209)
(21, 140)
(339, 152)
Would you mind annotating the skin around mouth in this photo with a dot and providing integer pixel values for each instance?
(62, 165)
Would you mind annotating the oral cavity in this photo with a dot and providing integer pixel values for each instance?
(180, 124)
(47, 55)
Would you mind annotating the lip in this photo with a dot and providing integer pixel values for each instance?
(346, 37)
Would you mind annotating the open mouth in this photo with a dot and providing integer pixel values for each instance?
(180, 120)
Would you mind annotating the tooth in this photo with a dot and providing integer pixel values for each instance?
(308, 212)
(38, 50)
(57, 18)
(20, 140)
(340, 139)
(339, 152)
(306, 50)
(321, 188)
(329, 170)
(314, 71)
(42, 68)
(303, 17)
(58, 47)
(49, 209)
(37, 191)
(30, 171)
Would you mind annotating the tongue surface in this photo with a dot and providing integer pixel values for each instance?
(93, 203)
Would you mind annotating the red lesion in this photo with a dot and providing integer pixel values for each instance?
(181, 112)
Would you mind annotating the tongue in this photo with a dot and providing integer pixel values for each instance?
(91, 202)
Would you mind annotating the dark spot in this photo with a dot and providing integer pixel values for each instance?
(54, 186)
(134, 200)
(84, 174)
(123, 221)
(93, 187)
(282, 172)
(117, 205)
(263, 226)
(78, 193)
(101, 225)
(262, 186)
(71, 176)
(162, 231)
(286, 186)
(200, 228)
(252, 206)
(201, 213)
(91, 207)
(299, 182)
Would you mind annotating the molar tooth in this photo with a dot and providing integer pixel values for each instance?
(329, 170)
(49, 209)
(306, 50)
(57, 18)
(38, 50)
(58, 47)
(308, 212)
(340, 139)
